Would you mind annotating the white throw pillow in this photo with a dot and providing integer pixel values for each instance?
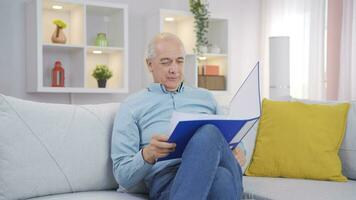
(54, 148)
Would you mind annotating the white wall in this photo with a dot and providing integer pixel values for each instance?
(244, 19)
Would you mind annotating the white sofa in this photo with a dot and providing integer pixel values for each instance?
(62, 152)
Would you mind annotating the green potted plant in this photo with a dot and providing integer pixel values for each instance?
(102, 73)
(58, 36)
(199, 8)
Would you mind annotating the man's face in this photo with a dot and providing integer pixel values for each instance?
(167, 66)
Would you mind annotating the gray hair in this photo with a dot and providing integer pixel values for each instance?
(151, 47)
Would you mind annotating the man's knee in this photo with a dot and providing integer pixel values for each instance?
(208, 133)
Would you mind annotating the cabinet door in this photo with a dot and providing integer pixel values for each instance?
(212, 82)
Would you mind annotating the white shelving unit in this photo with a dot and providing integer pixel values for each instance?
(85, 18)
(183, 26)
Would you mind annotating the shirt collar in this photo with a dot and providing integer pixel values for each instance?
(158, 87)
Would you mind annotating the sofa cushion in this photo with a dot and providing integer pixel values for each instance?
(299, 140)
(347, 150)
(348, 147)
(285, 188)
(54, 148)
(113, 195)
(250, 139)
(97, 195)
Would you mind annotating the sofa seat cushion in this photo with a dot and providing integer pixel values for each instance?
(286, 188)
(99, 195)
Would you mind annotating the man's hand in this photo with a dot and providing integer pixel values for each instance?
(158, 148)
(240, 156)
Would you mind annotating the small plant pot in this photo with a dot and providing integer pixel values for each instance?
(101, 83)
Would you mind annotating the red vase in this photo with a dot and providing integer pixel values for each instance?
(58, 75)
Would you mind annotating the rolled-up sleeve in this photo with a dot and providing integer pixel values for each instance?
(128, 165)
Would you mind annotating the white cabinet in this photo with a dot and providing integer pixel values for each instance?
(213, 66)
(79, 55)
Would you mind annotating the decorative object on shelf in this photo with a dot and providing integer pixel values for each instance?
(58, 75)
(208, 70)
(102, 73)
(101, 40)
(212, 82)
(211, 70)
(203, 49)
(214, 49)
(199, 8)
(58, 35)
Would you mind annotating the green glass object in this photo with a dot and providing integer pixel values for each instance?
(101, 40)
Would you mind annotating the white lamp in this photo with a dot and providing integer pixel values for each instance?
(279, 67)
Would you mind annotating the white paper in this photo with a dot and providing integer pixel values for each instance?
(245, 105)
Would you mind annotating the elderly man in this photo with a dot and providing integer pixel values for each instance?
(208, 169)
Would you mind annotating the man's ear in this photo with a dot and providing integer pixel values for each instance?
(149, 65)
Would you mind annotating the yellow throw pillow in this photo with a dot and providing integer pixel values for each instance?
(298, 140)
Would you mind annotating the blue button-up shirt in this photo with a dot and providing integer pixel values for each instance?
(143, 115)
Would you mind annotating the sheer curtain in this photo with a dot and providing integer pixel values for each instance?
(347, 80)
(304, 22)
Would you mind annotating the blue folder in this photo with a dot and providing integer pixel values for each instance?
(245, 110)
(185, 130)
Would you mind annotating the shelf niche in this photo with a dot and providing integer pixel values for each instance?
(71, 14)
(111, 58)
(105, 20)
(71, 58)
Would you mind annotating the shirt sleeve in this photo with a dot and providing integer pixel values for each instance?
(129, 168)
(216, 106)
